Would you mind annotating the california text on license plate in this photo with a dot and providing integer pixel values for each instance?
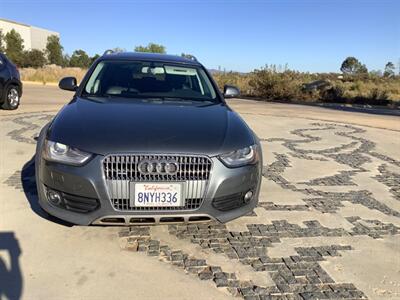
(156, 194)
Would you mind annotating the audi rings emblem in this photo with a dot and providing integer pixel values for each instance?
(154, 167)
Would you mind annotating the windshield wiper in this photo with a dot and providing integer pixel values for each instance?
(187, 99)
(93, 97)
(148, 98)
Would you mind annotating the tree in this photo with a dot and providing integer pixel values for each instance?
(2, 46)
(389, 69)
(65, 61)
(362, 69)
(14, 47)
(54, 50)
(376, 73)
(93, 58)
(151, 47)
(80, 59)
(352, 66)
(34, 58)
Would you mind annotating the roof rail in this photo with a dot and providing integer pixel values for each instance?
(192, 57)
(189, 56)
(109, 51)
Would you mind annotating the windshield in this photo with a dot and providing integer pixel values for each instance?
(135, 79)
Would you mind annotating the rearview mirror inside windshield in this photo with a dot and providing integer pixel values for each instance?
(153, 71)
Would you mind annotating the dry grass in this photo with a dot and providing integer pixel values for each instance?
(287, 85)
(51, 73)
(233, 78)
(388, 89)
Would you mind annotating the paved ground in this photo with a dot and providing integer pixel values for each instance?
(327, 226)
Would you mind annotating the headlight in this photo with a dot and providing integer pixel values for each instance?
(64, 154)
(240, 157)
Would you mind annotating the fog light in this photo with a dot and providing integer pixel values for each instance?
(54, 197)
(248, 196)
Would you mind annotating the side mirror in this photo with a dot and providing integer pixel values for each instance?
(68, 83)
(231, 91)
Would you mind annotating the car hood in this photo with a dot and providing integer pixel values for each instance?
(132, 126)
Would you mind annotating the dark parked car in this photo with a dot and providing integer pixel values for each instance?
(147, 138)
(10, 84)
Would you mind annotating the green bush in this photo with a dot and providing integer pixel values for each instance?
(152, 48)
(34, 59)
(333, 94)
(270, 83)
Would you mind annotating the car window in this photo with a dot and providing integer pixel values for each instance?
(133, 79)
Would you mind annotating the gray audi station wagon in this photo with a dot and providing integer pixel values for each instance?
(147, 139)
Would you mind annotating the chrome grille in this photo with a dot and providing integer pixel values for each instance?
(120, 170)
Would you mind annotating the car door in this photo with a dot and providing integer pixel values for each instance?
(4, 74)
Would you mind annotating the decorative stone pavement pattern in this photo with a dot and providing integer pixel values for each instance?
(390, 179)
(32, 123)
(15, 181)
(327, 202)
(273, 206)
(342, 179)
(356, 153)
(25, 183)
(296, 277)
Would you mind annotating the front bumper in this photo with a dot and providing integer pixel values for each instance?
(89, 181)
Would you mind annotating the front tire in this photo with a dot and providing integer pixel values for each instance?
(11, 98)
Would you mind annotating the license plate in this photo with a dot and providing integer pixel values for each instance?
(151, 194)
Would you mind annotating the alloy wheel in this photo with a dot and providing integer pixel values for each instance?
(13, 97)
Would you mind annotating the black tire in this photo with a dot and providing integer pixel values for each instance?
(11, 98)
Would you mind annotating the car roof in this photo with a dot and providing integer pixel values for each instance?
(150, 57)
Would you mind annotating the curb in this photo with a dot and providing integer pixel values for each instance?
(39, 83)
